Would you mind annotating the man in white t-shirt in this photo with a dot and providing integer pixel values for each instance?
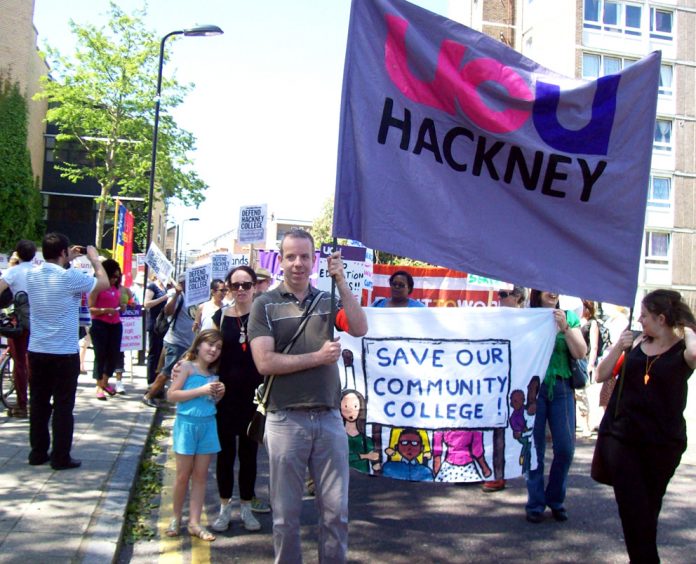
(55, 292)
(16, 280)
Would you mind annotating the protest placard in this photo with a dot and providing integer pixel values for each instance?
(197, 284)
(252, 224)
(132, 336)
(353, 268)
(159, 263)
(220, 265)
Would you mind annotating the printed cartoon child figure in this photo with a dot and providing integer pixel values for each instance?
(464, 458)
(361, 448)
(521, 430)
(409, 447)
(347, 356)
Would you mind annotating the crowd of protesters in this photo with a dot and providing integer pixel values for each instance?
(243, 334)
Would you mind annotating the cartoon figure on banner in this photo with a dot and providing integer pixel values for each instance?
(521, 428)
(361, 448)
(408, 452)
(347, 356)
(407, 457)
(464, 457)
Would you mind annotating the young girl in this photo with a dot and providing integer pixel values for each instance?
(195, 390)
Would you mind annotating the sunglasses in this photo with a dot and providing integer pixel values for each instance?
(235, 286)
(398, 285)
(504, 294)
(412, 443)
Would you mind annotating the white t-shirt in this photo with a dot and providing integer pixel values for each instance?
(16, 277)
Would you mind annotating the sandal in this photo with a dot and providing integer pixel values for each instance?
(109, 390)
(174, 528)
(201, 532)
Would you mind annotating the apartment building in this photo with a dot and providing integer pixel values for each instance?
(592, 38)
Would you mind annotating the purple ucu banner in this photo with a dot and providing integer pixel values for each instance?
(457, 150)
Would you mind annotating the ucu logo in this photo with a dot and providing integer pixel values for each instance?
(456, 87)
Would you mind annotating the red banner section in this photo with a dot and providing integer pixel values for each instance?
(439, 287)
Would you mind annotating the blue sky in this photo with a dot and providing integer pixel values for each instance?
(265, 108)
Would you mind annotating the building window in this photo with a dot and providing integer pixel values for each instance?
(660, 192)
(613, 17)
(657, 247)
(662, 140)
(661, 24)
(666, 72)
(594, 66)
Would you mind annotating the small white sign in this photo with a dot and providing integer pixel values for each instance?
(252, 224)
(197, 285)
(159, 263)
(220, 265)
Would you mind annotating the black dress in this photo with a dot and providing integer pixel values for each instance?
(649, 436)
(238, 372)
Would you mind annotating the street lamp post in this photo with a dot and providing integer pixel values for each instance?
(183, 245)
(200, 31)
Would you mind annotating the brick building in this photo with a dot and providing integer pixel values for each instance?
(20, 60)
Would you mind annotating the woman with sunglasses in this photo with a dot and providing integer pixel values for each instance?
(234, 412)
(205, 312)
(556, 405)
(401, 284)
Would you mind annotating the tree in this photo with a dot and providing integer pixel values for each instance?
(20, 200)
(322, 229)
(102, 102)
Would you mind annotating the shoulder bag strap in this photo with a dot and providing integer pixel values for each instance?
(286, 349)
(176, 313)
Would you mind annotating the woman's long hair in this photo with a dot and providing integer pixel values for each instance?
(670, 304)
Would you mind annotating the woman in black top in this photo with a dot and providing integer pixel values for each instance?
(235, 410)
(645, 421)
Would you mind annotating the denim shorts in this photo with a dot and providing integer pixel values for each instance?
(172, 353)
(195, 435)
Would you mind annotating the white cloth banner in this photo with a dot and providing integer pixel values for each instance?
(459, 384)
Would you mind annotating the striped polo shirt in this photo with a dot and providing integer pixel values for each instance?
(277, 313)
(54, 302)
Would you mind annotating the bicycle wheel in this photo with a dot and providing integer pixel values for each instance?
(8, 397)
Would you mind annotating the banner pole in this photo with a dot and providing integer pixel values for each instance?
(623, 368)
(332, 316)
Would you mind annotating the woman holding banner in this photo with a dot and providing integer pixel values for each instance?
(401, 285)
(555, 406)
(643, 427)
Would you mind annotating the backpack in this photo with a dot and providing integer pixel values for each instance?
(6, 298)
(604, 341)
(162, 323)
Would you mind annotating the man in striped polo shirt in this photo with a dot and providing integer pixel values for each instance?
(304, 427)
(54, 292)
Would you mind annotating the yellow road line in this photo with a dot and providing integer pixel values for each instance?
(171, 547)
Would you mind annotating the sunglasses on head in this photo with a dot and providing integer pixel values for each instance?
(243, 285)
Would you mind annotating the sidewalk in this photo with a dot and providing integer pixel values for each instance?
(74, 515)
